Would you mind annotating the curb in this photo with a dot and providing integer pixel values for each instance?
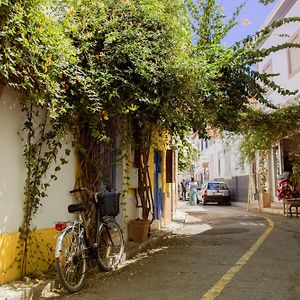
(132, 248)
(19, 290)
(239, 204)
(276, 210)
(20, 293)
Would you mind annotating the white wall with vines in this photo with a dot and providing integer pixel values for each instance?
(12, 173)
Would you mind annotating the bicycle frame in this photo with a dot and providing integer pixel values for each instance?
(64, 226)
(76, 244)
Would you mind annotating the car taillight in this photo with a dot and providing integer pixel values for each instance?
(60, 226)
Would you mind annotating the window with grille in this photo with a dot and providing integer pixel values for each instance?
(294, 56)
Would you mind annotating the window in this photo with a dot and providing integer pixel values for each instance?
(268, 69)
(169, 166)
(294, 56)
(217, 186)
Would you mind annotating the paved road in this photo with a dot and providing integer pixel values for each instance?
(208, 246)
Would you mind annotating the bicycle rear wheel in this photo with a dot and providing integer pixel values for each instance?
(70, 259)
(110, 243)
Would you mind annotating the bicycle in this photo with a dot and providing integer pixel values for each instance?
(74, 246)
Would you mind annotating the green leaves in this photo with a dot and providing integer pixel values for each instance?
(33, 50)
(162, 62)
(266, 1)
(150, 64)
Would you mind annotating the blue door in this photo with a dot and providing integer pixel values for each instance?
(157, 186)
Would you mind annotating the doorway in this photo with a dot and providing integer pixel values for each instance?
(157, 185)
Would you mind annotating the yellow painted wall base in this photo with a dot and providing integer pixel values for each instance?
(41, 253)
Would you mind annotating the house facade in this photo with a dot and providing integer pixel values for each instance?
(286, 63)
(54, 206)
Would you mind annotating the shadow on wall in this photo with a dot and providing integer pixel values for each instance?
(8, 250)
(41, 254)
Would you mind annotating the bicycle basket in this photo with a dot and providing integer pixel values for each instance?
(109, 204)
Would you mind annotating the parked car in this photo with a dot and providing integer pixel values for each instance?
(213, 191)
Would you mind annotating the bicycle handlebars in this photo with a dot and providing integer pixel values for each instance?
(75, 191)
(78, 190)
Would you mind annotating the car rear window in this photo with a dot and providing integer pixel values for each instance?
(217, 186)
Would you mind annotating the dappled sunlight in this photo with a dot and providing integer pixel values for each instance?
(8, 250)
(41, 254)
(41, 251)
(140, 256)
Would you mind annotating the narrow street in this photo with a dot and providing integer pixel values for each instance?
(119, 109)
(210, 240)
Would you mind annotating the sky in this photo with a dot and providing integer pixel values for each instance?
(254, 11)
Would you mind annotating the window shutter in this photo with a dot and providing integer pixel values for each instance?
(169, 166)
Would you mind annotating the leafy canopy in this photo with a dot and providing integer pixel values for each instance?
(150, 62)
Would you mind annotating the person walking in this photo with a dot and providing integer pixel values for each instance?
(193, 192)
(183, 190)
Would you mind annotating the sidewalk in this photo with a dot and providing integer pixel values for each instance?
(275, 208)
(43, 289)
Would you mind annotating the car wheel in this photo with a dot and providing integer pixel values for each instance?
(204, 202)
(229, 203)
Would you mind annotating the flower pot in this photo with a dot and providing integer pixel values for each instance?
(139, 230)
(266, 199)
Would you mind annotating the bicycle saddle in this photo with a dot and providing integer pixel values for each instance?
(73, 208)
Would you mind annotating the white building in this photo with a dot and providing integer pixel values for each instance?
(287, 63)
(220, 160)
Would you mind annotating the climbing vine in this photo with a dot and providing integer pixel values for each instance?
(42, 139)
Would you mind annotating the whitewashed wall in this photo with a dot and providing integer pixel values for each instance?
(12, 173)
(228, 154)
(279, 60)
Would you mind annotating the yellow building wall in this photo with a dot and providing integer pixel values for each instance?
(161, 141)
(42, 249)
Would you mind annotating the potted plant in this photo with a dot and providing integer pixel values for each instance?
(266, 199)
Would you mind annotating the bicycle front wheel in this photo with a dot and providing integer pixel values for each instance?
(110, 245)
(70, 259)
